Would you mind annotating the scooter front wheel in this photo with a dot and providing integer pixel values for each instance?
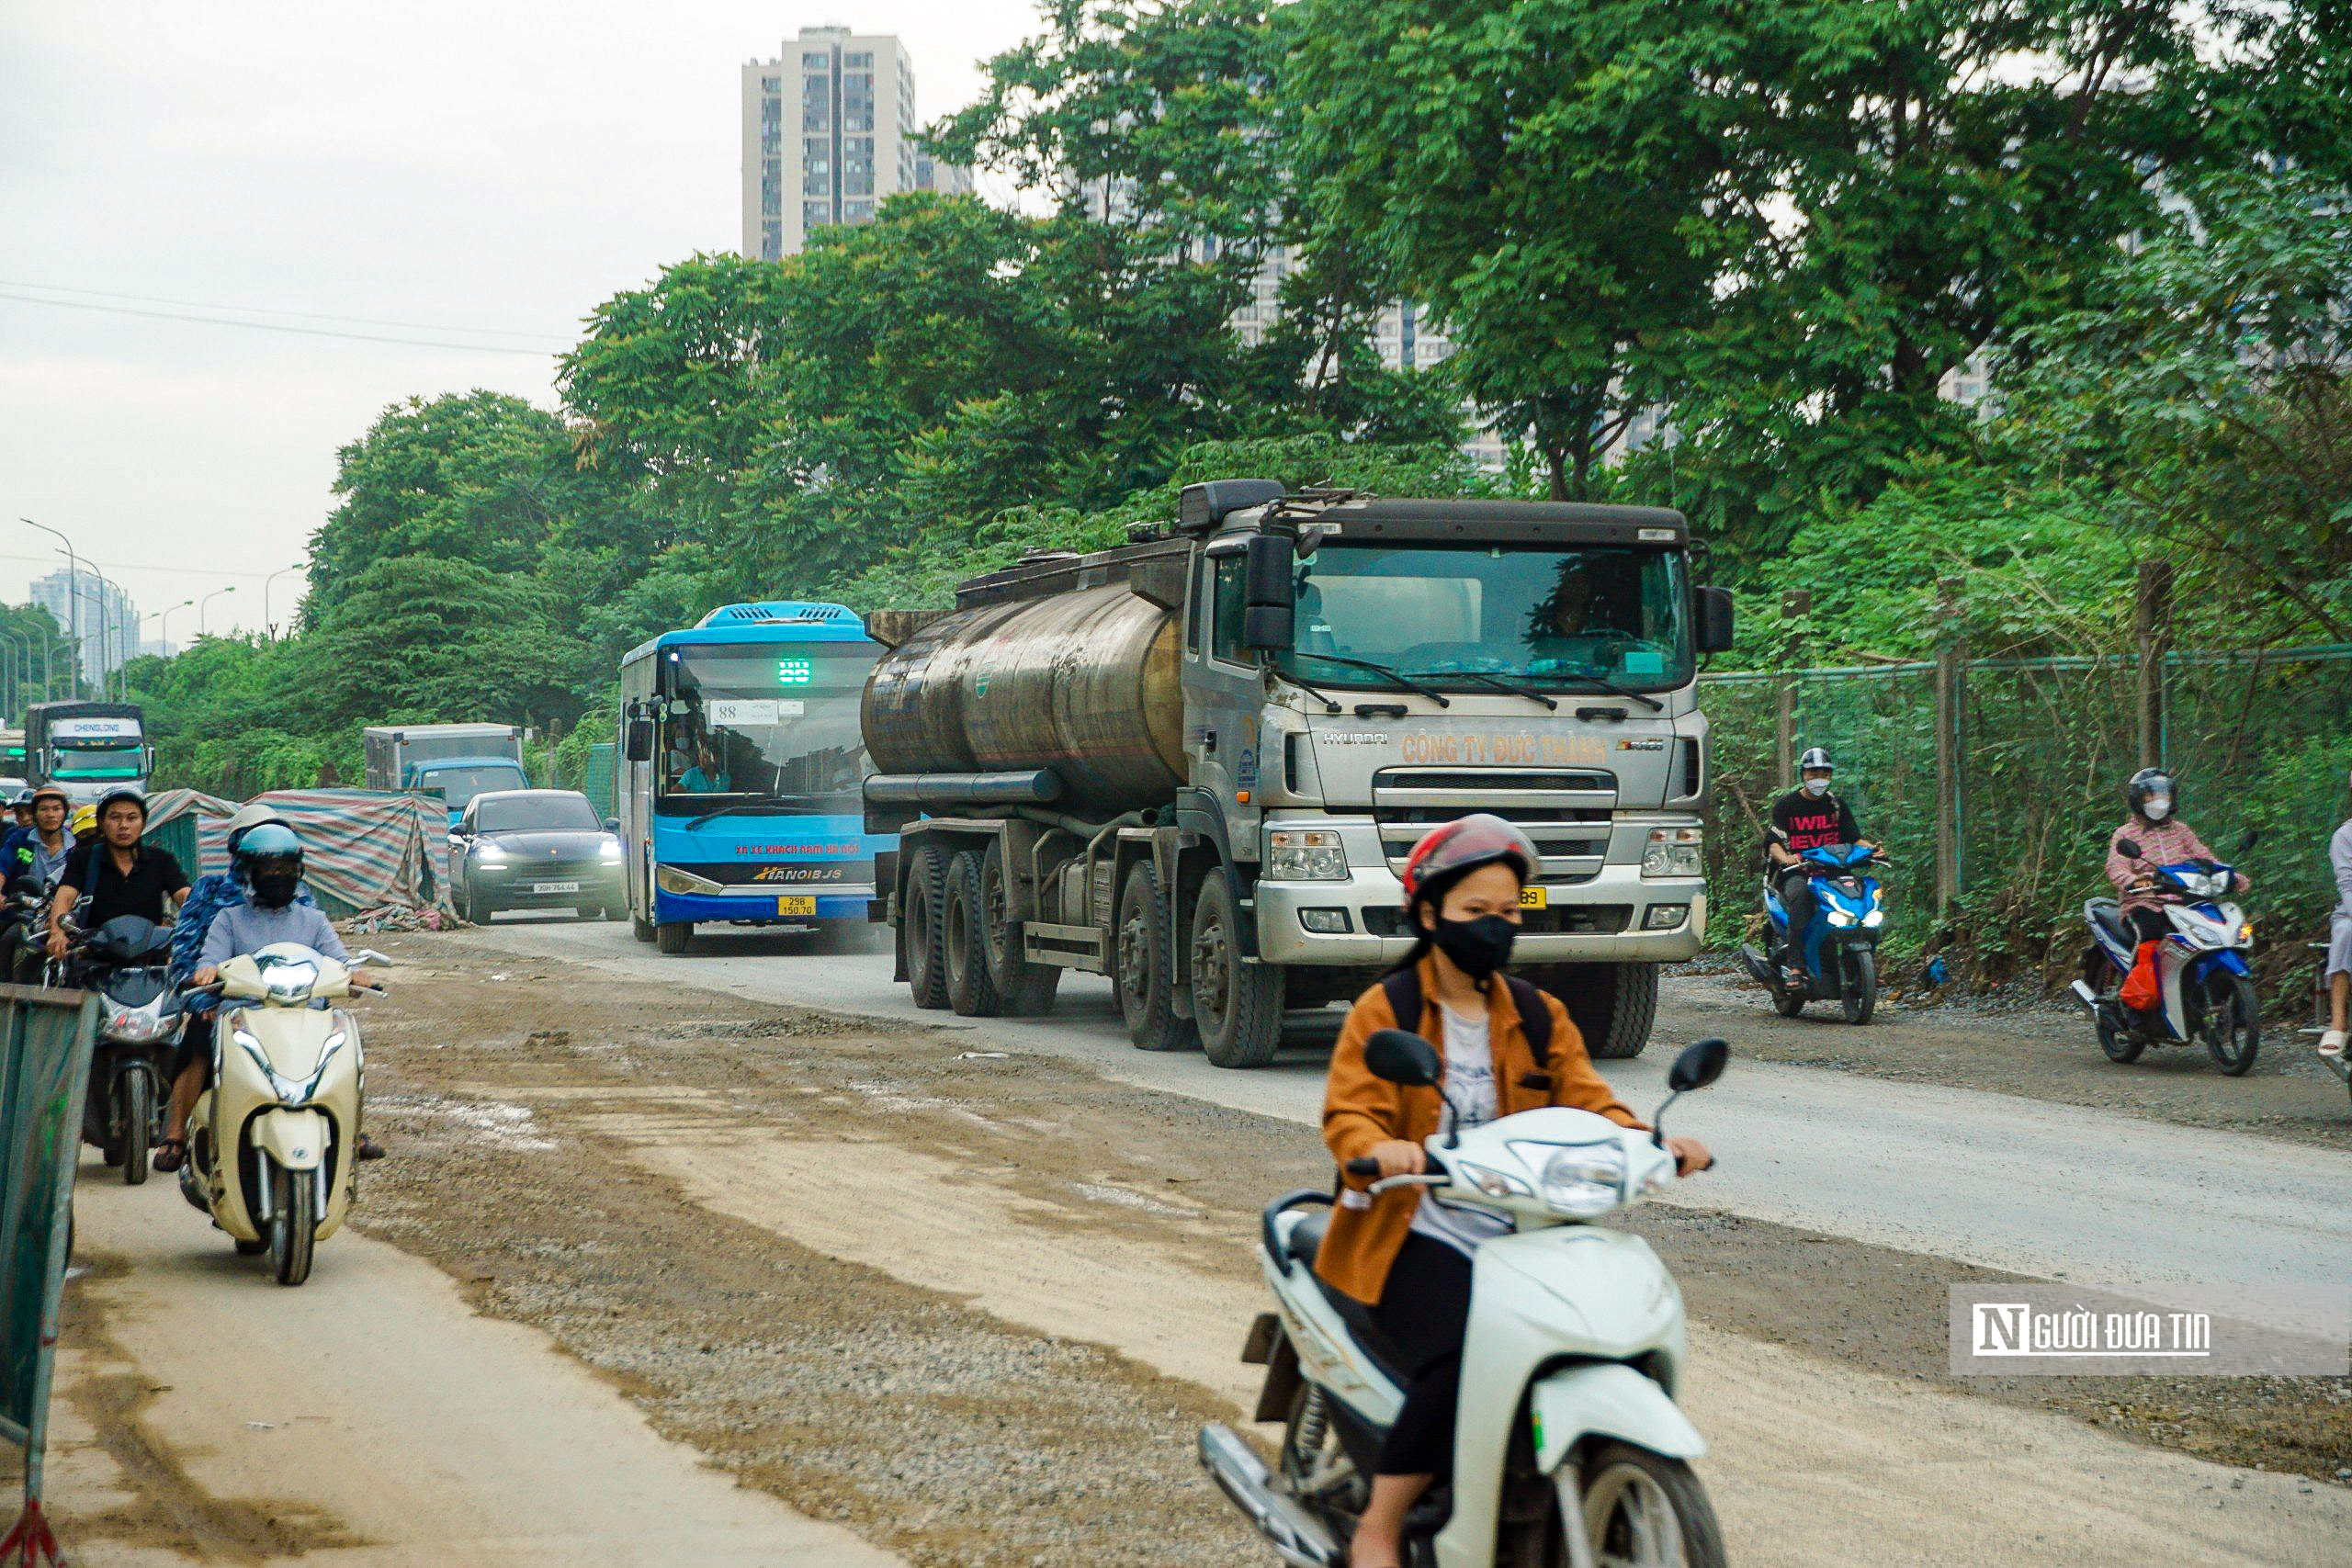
(1642, 1510)
(1859, 992)
(295, 1224)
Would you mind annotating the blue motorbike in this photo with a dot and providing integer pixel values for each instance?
(1840, 947)
(2206, 990)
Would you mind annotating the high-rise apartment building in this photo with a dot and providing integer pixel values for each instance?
(829, 130)
(107, 620)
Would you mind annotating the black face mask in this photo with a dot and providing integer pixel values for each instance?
(273, 890)
(1477, 947)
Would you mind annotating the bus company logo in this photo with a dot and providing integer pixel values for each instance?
(802, 873)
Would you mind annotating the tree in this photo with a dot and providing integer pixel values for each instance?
(479, 477)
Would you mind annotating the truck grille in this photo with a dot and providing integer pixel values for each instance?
(1568, 813)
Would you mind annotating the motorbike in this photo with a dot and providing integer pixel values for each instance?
(2206, 990)
(1569, 1448)
(273, 1143)
(127, 962)
(1840, 950)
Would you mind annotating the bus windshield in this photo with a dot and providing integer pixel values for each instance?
(1537, 615)
(772, 726)
(110, 761)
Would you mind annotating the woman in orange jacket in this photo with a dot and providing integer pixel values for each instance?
(1403, 1254)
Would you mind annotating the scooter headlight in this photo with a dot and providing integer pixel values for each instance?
(1841, 918)
(1874, 919)
(1581, 1180)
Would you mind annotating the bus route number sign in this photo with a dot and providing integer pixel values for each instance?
(795, 672)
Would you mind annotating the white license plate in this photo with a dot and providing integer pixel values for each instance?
(555, 887)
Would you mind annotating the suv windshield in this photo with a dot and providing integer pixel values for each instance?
(525, 812)
(1542, 615)
(774, 728)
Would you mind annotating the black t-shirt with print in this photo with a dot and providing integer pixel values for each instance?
(153, 874)
(1807, 822)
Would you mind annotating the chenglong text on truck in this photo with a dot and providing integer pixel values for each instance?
(1196, 762)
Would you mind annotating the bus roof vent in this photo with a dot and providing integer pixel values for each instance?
(782, 613)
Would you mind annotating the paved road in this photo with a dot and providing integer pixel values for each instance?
(2057, 1192)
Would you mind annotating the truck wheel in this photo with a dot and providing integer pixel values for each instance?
(971, 991)
(1236, 1006)
(1613, 1004)
(1144, 966)
(1025, 988)
(919, 927)
(670, 936)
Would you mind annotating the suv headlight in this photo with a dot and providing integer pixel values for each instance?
(1673, 851)
(1581, 1180)
(1305, 854)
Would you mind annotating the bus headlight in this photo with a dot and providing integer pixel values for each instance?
(670, 879)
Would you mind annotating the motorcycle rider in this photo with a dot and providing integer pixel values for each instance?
(1806, 818)
(1403, 1254)
(121, 875)
(214, 892)
(31, 863)
(2164, 839)
(20, 807)
(2339, 944)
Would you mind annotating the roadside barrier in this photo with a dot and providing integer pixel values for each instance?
(45, 1039)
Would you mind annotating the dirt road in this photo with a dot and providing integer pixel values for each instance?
(969, 1300)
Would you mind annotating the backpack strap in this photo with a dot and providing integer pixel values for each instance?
(1404, 991)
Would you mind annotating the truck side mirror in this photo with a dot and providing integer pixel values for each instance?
(1267, 627)
(1268, 570)
(1716, 622)
(637, 742)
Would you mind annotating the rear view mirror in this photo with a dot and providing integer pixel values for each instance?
(638, 740)
(1267, 570)
(2128, 846)
(1698, 1066)
(2252, 837)
(1716, 623)
(611, 824)
(1402, 1058)
(1267, 626)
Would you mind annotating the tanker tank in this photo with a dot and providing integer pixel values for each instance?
(1083, 684)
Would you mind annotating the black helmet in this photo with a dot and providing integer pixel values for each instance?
(122, 792)
(1816, 757)
(2148, 782)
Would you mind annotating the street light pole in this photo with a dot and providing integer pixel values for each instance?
(268, 625)
(72, 598)
(206, 600)
(111, 626)
(164, 618)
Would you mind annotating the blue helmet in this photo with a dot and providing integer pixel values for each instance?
(267, 841)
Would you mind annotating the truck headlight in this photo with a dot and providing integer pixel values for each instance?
(1673, 851)
(1305, 854)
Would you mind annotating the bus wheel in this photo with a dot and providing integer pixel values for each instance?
(670, 936)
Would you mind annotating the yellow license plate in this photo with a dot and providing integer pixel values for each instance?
(1534, 899)
(796, 904)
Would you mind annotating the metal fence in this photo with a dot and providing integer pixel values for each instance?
(1994, 782)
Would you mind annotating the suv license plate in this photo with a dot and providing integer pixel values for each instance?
(555, 887)
(796, 904)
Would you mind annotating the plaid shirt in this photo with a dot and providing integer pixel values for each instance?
(2168, 842)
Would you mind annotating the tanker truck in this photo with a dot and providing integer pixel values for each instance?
(1195, 763)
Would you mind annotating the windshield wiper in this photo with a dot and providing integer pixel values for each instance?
(1497, 681)
(773, 807)
(1615, 690)
(1386, 673)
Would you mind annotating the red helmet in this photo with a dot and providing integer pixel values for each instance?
(1465, 844)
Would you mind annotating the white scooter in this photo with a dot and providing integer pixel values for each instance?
(272, 1144)
(1569, 1451)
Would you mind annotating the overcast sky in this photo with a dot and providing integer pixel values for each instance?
(500, 164)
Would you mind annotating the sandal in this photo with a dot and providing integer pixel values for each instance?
(170, 1152)
(369, 1148)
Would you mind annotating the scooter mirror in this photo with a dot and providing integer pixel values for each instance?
(2253, 836)
(1698, 1066)
(1402, 1058)
(2128, 846)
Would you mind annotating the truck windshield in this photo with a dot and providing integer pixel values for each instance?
(1542, 615)
(459, 785)
(773, 728)
(115, 760)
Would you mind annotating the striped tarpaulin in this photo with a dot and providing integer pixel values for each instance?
(361, 849)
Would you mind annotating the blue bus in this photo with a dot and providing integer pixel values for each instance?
(742, 770)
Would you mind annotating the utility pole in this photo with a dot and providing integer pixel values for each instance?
(1951, 652)
(2151, 629)
(1795, 605)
